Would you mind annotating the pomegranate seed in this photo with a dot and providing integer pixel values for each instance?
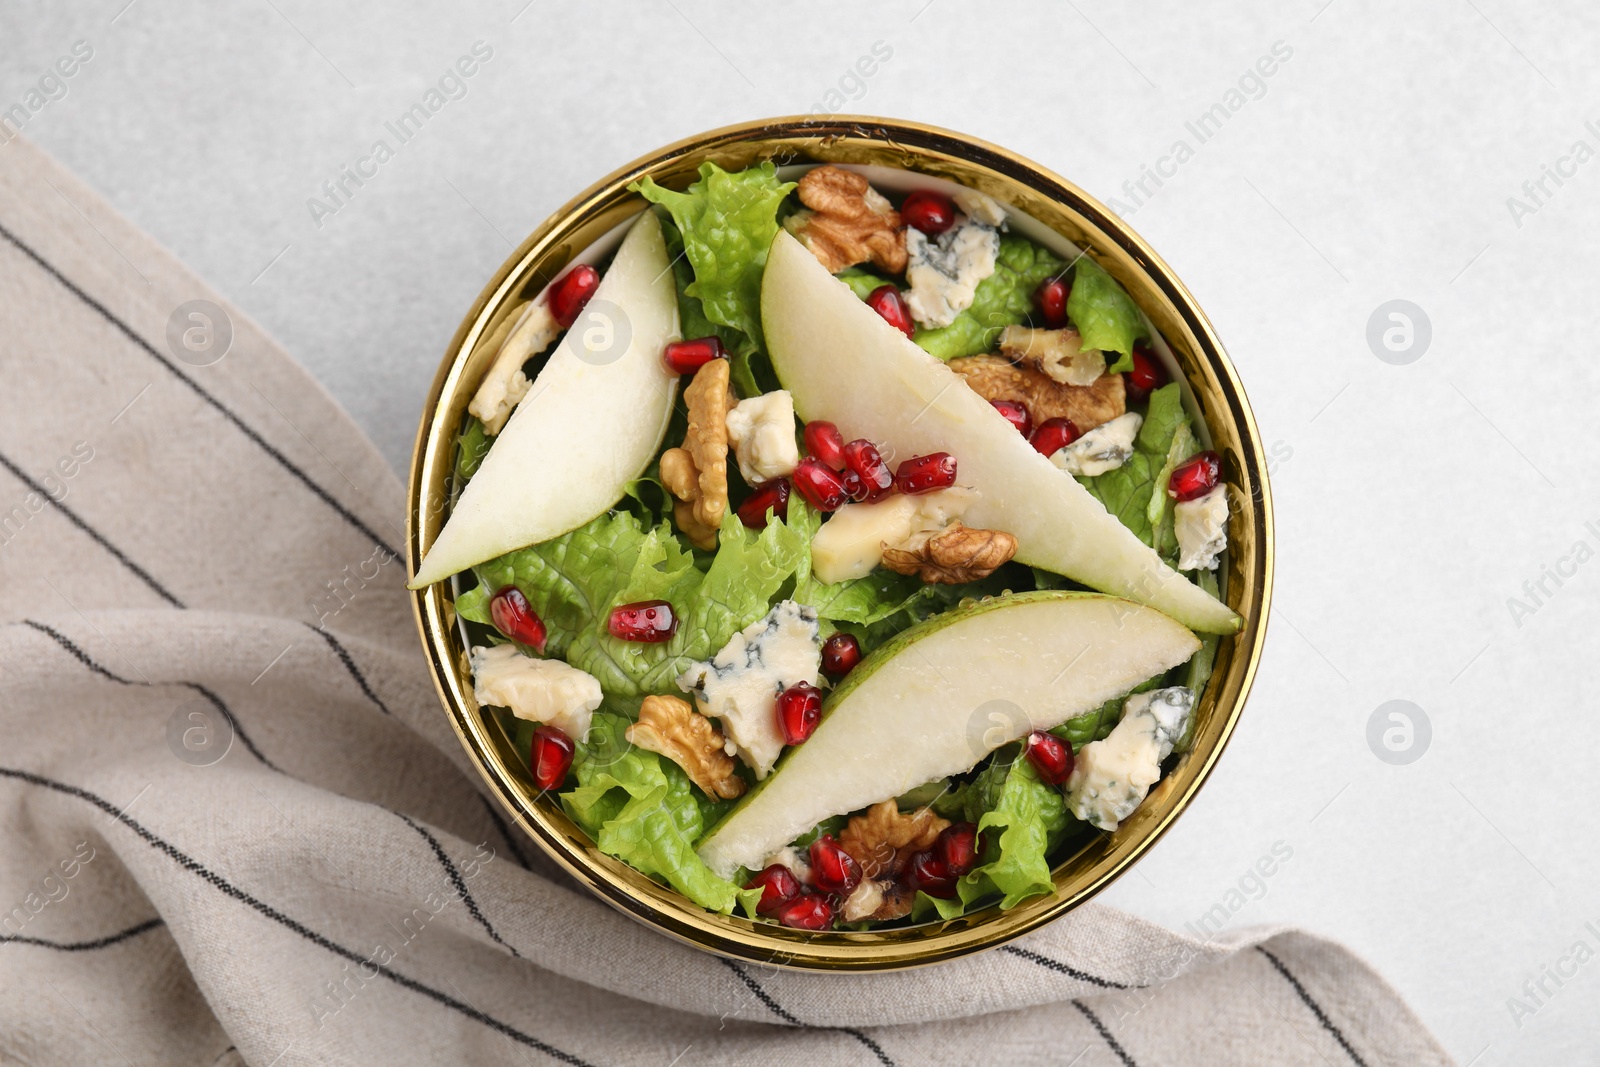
(1050, 756)
(888, 303)
(550, 756)
(770, 496)
(865, 462)
(822, 487)
(1051, 300)
(833, 870)
(1016, 413)
(808, 911)
(957, 848)
(931, 212)
(860, 493)
(650, 621)
(515, 618)
(1145, 377)
(824, 441)
(799, 707)
(686, 357)
(1194, 478)
(1052, 435)
(570, 292)
(840, 654)
(924, 474)
(928, 873)
(778, 886)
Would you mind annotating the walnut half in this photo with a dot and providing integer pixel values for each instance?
(954, 555)
(697, 474)
(671, 727)
(882, 840)
(996, 378)
(850, 222)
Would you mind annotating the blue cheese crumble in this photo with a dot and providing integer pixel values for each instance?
(1112, 777)
(1104, 448)
(1202, 529)
(944, 272)
(740, 684)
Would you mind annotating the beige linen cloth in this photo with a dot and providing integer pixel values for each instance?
(235, 825)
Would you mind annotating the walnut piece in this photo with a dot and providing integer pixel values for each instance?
(850, 222)
(897, 901)
(953, 555)
(1059, 354)
(697, 474)
(882, 840)
(995, 378)
(671, 727)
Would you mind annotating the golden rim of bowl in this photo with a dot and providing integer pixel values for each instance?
(1031, 189)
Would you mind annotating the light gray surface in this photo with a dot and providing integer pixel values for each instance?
(1376, 164)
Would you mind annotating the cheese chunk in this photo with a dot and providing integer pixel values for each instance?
(944, 272)
(1202, 529)
(740, 684)
(981, 207)
(541, 690)
(505, 385)
(851, 543)
(761, 431)
(1112, 777)
(1104, 448)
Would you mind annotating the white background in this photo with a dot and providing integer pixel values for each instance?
(1375, 164)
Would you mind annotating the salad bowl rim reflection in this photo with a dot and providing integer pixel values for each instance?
(1213, 393)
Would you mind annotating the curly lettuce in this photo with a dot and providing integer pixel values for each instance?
(471, 447)
(573, 581)
(1020, 819)
(642, 809)
(726, 223)
(1105, 315)
(1002, 299)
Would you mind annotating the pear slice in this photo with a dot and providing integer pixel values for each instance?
(844, 363)
(939, 697)
(590, 424)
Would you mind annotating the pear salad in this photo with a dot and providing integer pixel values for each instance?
(865, 560)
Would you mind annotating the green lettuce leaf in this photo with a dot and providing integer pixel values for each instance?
(1126, 491)
(1103, 312)
(471, 447)
(1022, 819)
(642, 809)
(727, 222)
(861, 282)
(1002, 299)
(573, 581)
(749, 370)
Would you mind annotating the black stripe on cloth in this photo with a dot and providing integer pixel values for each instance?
(459, 883)
(1100, 1028)
(1316, 1009)
(1062, 968)
(83, 657)
(193, 866)
(783, 1013)
(94, 535)
(282, 460)
(505, 832)
(350, 665)
(85, 946)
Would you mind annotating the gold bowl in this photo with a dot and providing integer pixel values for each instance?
(1054, 204)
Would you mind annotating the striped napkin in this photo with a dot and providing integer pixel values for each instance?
(235, 826)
